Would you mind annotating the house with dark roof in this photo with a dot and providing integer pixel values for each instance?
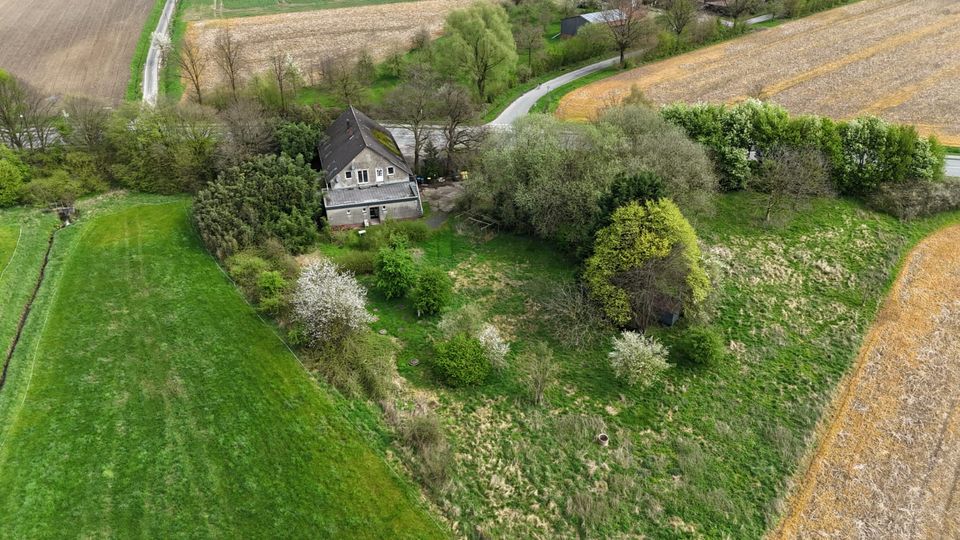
(367, 179)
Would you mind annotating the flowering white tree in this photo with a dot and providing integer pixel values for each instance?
(638, 359)
(329, 303)
(495, 347)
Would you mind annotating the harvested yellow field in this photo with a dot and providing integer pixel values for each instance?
(897, 59)
(888, 464)
(316, 36)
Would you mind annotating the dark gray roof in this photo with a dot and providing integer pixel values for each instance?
(379, 194)
(611, 15)
(349, 135)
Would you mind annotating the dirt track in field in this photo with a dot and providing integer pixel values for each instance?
(313, 37)
(897, 59)
(888, 464)
(76, 47)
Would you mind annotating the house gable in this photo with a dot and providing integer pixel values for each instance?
(346, 140)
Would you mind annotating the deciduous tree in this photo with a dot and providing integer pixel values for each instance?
(193, 63)
(231, 57)
(629, 24)
(478, 44)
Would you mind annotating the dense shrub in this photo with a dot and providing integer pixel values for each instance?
(701, 345)
(645, 262)
(909, 200)
(395, 270)
(360, 367)
(267, 197)
(329, 304)
(572, 316)
(461, 361)
(58, 189)
(637, 359)
(245, 267)
(423, 434)
(467, 320)
(431, 292)
(298, 138)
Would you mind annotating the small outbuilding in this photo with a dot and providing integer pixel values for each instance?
(571, 25)
(367, 178)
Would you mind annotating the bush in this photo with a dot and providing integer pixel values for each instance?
(423, 434)
(298, 138)
(701, 345)
(245, 267)
(637, 359)
(57, 189)
(467, 320)
(267, 197)
(395, 270)
(431, 292)
(358, 262)
(645, 264)
(573, 317)
(495, 347)
(360, 367)
(330, 304)
(461, 361)
(538, 371)
(910, 200)
(11, 183)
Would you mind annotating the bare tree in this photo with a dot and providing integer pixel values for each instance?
(627, 20)
(230, 57)
(456, 108)
(789, 178)
(656, 288)
(529, 39)
(284, 73)
(248, 132)
(193, 63)
(739, 8)
(343, 82)
(26, 115)
(680, 14)
(413, 103)
(87, 122)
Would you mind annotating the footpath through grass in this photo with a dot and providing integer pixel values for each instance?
(148, 400)
(704, 452)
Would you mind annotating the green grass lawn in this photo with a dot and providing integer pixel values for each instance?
(23, 241)
(705, 452)
(147, 399)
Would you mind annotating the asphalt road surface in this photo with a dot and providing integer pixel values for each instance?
(151, 69)
(953, 166)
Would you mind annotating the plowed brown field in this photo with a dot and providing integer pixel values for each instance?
(78, 47)
(888, 464)
(897, 59)
(329, 34)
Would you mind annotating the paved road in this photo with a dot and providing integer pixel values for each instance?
(953, 166)
(521, 107)
(151, 69)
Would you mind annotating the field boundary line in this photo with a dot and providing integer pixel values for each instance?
(12, 255)
(798, 496)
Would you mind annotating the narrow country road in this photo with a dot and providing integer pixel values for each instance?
(953, 166)
(151, 68)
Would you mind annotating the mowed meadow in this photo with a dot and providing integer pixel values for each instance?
(895, 59)
(146, 398)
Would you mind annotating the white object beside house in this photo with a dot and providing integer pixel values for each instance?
(366, 176)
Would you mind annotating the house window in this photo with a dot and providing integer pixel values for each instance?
(379, 175)
(363, 177)
(390, 171)
(348, 174)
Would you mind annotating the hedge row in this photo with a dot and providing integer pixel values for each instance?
(864, 153)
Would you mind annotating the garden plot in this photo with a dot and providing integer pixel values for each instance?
(889, 463)
(311, 38)
(899, 60)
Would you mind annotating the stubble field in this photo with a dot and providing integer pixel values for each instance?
(896, 59)
(77, 47)
(311, 38)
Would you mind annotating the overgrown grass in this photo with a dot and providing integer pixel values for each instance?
(704, 452)
(171, 85)
(148, 399)
(134, 86)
